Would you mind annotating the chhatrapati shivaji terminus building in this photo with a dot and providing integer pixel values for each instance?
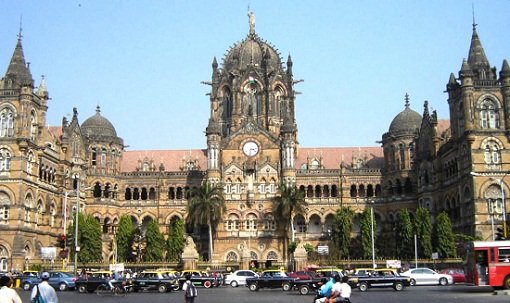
(251, 147)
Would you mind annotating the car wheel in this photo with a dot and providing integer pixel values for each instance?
(234, 283)
(443, 281)
(62, 286)
(398, 286)
(506, 284)
(286, 286)
(26, 286)
(253, 287)
(304, 289)
(82, 289)
(207, 284)
(162, 288)
(363, 286)
(413, 282)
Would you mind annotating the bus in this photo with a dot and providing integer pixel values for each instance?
(488, 263)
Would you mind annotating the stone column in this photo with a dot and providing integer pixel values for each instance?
(300, 257)
(245, 258)
(190, 254)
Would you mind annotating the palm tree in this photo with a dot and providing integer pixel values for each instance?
(206, 206)
(291, 200)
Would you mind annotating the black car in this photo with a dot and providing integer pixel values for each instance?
(92, 280)
(270, 279)
(199, 278)
(154, 280)
(384, 277)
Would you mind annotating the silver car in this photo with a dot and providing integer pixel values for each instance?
(426, 276)
(238, 277)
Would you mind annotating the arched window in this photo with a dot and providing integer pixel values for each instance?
(97, 190)
(6, 123)
(152, 193)
(5, 203)
(334, 191)
(33, 126)
(269, 223)
(402, 156)
(127, 195)
(489, 117)
(231, 257)
(251, 222)
(492, 153)
(233, 222)
(5, 160)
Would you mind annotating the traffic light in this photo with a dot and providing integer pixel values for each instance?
(62, 241)
(500, 234)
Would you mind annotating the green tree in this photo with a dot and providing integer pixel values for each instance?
(341, 232)
(289, 201)
(206, 206)
(366, 229)
(155, 243)
(444, 238)
(89, 239)
(423, 228)
(405, 236)
(124, 238)
(175, 240)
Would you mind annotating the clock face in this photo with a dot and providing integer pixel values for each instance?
(250, 148)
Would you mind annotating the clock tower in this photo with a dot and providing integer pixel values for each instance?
(251, 139)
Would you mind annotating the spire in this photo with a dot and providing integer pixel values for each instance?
(214, 63)
(42, 91)
(476, 58)
(406, 98)
(18, 69)
(505, 69)
(289, 65)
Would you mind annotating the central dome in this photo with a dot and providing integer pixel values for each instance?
(406, 121)
(252, 51)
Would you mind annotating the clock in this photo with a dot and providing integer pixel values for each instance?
(250, 148)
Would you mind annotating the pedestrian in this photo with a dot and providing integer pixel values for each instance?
(190, 291)
(7, 294)
(47, 292)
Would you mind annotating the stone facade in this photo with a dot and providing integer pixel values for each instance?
(252, 145)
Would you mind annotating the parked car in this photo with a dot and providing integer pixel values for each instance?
(457, 273)
(60, 280)
(426, 276)
(154, 280)
(270, 279)
(238, 277)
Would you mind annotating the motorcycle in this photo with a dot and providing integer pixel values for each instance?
(320, 298)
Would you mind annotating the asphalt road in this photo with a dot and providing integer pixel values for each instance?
(227, 294)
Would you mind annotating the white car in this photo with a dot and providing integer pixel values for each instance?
(238, 277)
(426, 276)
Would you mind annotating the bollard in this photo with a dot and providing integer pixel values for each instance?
(17, 282)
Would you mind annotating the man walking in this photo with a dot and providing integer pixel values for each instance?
(47, 292)
(7, 294)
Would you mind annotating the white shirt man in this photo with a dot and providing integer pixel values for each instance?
(7, 294)
(47, 292)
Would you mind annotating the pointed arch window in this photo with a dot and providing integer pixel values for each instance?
(402, 156)
(33, 126)
(489, 116)
(6, 123)
(492, 153)
(5, 160)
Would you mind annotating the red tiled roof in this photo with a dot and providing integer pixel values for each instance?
(173, 160)
(442, 126)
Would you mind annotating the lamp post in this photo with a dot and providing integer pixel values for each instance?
(76, 247)
(372, 234)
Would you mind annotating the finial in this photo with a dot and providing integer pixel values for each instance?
(473, 11)
(407, 100)
(251, 20)
(98, 109)
(20, 27)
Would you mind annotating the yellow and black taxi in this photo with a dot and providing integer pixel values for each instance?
(89, 282)
(154, 280)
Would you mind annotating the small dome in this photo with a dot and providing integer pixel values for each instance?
(407, 121)
(252, 51)
(97, 127)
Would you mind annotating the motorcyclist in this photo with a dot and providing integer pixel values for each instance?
(341, 291)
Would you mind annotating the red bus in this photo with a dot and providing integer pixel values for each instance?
(488, 263)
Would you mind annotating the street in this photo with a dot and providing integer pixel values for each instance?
(227, 294)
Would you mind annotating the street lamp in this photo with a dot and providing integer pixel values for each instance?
(76, 247)
(372, 227)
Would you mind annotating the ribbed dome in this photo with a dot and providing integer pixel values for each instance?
(252, 51)
(406, 121)
(98, 126)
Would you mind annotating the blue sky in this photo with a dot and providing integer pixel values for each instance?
(143, 61)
